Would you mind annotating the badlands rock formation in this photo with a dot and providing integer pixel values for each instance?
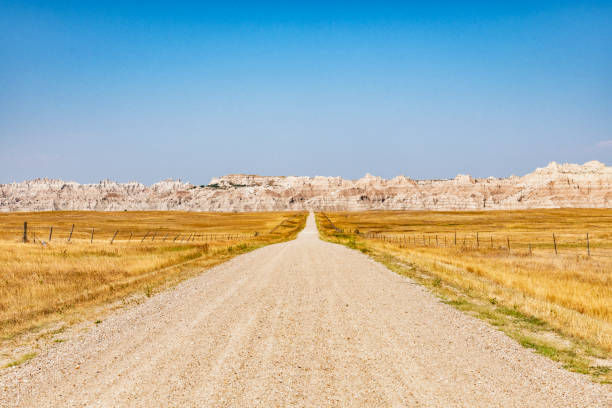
(567, 185)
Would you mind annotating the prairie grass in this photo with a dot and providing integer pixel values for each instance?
(57, 281)
(154, 224)
(568, 292)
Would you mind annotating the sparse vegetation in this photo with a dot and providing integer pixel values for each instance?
(58, 281)
(558, 304)
(21, 360)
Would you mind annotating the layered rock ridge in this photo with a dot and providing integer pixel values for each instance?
(554, 186)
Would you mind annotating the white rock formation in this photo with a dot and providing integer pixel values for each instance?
(554, 186)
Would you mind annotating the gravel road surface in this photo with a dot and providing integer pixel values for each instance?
(302, 323)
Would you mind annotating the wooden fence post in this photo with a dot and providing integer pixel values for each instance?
(129, 240)
(508, 239)
(555, 243)
(455, 238)
(491, 241)
(477, 242)
(71, 231)
(436, 240)
(92, 232)
(530, 253)
(50, 233)
(114, 237)
(25, 232)
(143, 238)
(588, 246)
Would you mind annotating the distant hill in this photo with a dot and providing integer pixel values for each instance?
(556, 185)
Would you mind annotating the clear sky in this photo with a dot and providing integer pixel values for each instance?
(153, 90)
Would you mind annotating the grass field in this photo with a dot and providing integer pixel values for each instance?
(45, 281)
(502, 266)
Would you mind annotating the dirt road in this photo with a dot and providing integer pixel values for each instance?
(303, 323)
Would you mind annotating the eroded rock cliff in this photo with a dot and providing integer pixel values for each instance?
(557, 185)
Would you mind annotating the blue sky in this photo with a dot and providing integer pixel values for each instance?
(152, 90)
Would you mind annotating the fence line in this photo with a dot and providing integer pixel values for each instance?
(556, 243)
(332, 224)
(111, 235)
(72, 233)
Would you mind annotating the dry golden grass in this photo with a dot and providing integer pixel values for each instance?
(40, 284)
(521, 228)
(137, 223)
(570, 291)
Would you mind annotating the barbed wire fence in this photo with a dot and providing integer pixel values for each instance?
(46, 234)
(512, 242)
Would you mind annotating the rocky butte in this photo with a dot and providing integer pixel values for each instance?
(554, 186)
